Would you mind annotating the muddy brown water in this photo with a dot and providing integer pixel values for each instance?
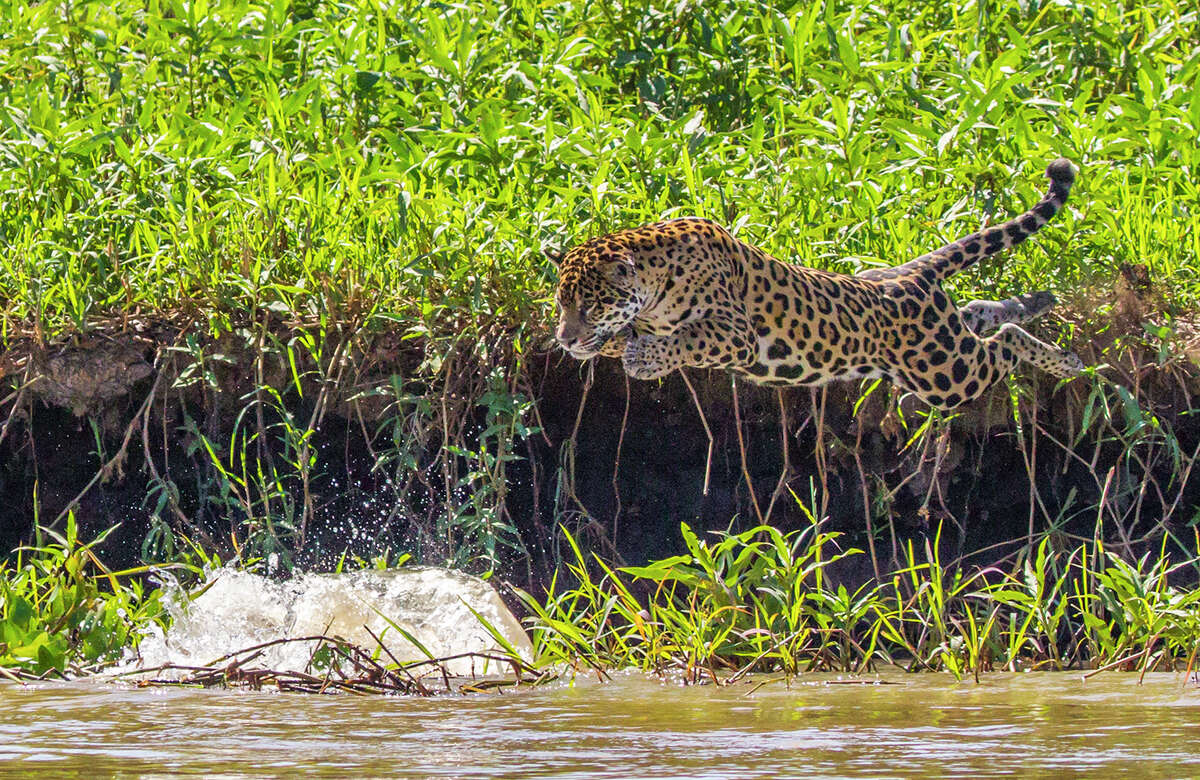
(1038, 724)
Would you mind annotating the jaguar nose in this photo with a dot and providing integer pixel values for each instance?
(566, 335)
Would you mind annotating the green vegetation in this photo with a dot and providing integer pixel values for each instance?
(307, 206)
(754, 602)
(760, 601)
(403, 165)
(62, 611)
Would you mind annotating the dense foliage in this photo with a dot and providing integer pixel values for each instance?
(406, 163)
(758, 601)
(63, 611)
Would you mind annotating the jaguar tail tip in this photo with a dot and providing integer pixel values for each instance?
(1061, 172)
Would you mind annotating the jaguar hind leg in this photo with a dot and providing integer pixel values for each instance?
(1055, 361)
(982, 362)
(984, 316)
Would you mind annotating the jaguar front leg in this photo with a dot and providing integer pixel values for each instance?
(708, 343)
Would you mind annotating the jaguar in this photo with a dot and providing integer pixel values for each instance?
(686, 293)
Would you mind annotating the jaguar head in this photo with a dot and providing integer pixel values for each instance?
(598, 296)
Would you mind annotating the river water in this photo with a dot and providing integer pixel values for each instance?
(1043, 724)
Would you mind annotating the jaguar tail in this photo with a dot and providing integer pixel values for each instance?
(967, 251)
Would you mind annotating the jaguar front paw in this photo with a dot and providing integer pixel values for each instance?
(616, 345)
(638, 360)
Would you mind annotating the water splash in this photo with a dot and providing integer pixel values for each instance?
(236, 610)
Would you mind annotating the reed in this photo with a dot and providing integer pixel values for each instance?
(755, 602)
(761, 602)
(62, 611)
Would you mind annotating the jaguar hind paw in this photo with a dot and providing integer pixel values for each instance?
(1070, 365)
(1037, 303)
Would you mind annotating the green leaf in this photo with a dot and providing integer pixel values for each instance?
(364, 80)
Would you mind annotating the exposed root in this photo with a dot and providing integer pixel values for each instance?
(707, 431)
(786, 468)
(115, 464)
(737, 421)
(349, 668)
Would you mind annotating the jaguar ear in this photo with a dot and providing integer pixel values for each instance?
(554, 255)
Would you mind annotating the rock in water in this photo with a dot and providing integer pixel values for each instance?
(237, 610)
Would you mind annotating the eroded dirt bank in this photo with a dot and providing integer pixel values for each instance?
(367, 444)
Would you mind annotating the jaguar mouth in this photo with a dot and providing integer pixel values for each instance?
(589, 349)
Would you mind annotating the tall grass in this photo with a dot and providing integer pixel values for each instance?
(404, 164)
(759, 602)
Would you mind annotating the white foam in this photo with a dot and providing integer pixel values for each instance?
(236, 610)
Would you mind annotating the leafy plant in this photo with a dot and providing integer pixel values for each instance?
(62, 610)
(761, 601)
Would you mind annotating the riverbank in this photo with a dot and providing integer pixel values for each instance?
(756, 602)
(278, 274)
(312, 445)
(273, 279)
